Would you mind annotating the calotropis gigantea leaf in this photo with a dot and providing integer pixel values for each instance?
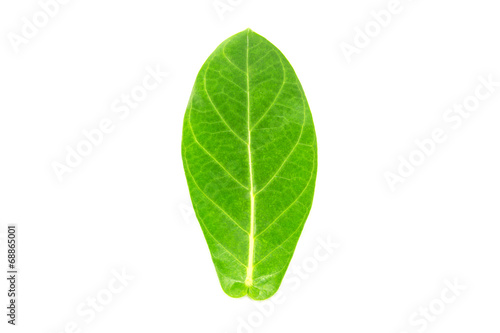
(250, 158)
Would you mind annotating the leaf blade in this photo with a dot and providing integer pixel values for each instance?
(249, 137)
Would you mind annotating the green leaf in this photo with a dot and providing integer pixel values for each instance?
(250, 158)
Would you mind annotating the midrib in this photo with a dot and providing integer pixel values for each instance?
(251, 240)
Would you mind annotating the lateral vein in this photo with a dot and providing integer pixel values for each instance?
(209, 154)
(290, 154)
(215, 108)
(277, 95)
(210, 199)
(222, 246)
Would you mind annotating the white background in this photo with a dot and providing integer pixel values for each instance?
(126, 206)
